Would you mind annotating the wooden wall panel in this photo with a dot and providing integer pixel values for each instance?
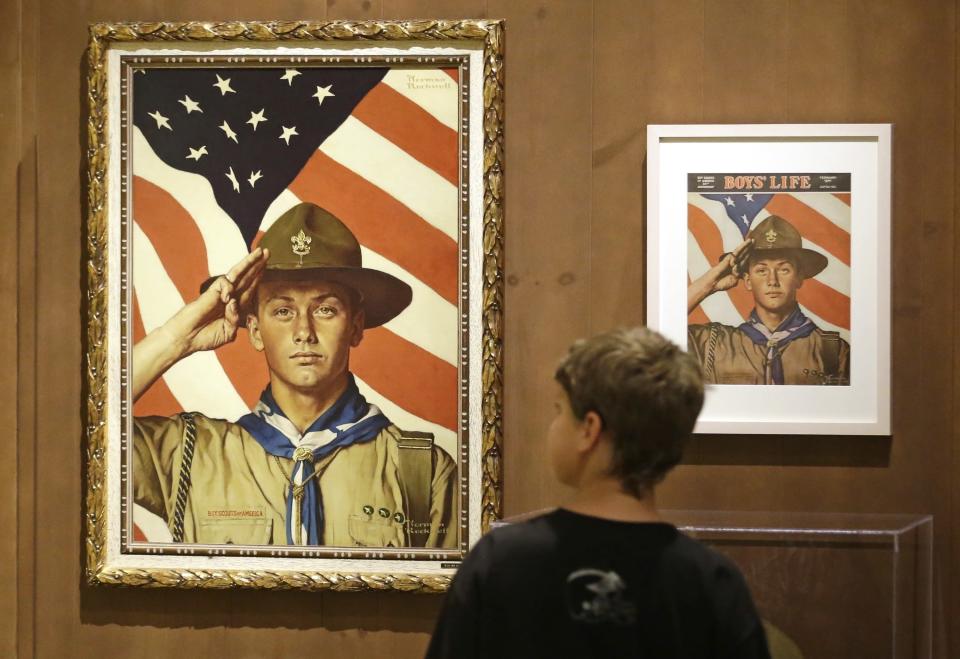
(548, 303)
(584, 79)
(353, 9)
(10, 158)
(949, 566)
(433, 9)
(651, 73)
(26, 335)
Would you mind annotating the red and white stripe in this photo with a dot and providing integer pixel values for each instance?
(822, 219)
(390, 172)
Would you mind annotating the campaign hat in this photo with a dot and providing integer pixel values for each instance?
(774, 237)
(309, 243)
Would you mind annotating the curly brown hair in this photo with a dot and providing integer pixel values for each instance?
(646, 390)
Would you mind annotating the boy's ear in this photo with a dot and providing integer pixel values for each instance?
(591, 427)
(358, 321)
(253, 331)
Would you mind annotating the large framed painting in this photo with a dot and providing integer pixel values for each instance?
(768, 257)
(294, 302)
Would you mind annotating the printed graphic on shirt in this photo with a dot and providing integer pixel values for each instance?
(594, 597)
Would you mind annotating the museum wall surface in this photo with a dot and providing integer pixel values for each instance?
(584, 79)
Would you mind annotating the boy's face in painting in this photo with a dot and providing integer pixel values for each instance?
(774, 283)
(562, 435)
(306, 331)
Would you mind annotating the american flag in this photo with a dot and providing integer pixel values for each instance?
(718, 222)
(219, 153)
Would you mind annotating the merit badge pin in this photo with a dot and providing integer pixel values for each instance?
(301, 244)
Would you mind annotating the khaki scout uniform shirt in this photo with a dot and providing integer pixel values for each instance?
(736, 359)
(238, 491)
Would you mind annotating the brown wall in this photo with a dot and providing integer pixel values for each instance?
(583, 81)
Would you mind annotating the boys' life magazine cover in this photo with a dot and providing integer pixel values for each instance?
(768, 267)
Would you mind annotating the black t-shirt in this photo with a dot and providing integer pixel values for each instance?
(572, 585)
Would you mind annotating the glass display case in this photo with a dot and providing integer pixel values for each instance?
(827, 585)
(830, 585)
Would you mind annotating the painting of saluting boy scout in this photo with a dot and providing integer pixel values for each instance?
(295, 287)
(768, 296)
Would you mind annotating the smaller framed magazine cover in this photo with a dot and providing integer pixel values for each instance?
(768, 257)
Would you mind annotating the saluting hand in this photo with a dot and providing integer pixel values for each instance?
(721, 277)
(207, 323)
(212, 319)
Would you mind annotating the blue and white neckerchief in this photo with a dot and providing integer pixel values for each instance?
(795, 326)
(350, 420)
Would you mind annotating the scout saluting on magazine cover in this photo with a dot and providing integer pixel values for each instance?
(314, 463)
(778, 344)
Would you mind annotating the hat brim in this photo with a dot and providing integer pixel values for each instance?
(384, 296)
(811, 263)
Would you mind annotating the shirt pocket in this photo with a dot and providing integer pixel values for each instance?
(367, 532)
(235, 532)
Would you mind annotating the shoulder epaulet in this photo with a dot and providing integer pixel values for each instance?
(416, 478)
(415, 439)
(830, 353)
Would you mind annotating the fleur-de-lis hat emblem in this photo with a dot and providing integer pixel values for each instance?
(301, 244)
(771, 236)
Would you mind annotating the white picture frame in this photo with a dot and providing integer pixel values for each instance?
(675, 155)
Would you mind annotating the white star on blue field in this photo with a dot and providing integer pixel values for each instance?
(258, 126)
(742, 208)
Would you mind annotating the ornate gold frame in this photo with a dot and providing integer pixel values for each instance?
(489, 33)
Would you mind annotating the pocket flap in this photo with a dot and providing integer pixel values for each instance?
(367, 532)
